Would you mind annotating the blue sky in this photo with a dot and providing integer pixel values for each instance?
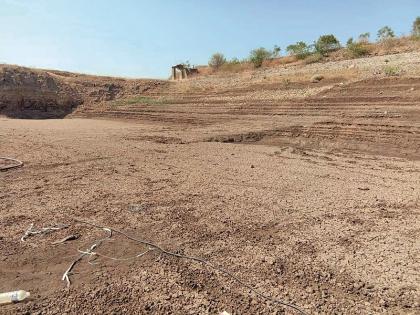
(139, 38)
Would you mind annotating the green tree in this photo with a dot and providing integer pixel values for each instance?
(259, 55)
(385, 33)
(276, 51)
(301, 50)
(234, 61)
(326, 43)
(364, 38)
(357, 49)
(416, 27)
(186, 64)
(217, 60)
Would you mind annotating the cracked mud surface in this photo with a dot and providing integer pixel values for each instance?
(314, 202)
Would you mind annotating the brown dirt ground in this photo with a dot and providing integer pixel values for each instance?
(314, 201)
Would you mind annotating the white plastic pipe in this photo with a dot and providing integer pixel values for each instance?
(13, 297)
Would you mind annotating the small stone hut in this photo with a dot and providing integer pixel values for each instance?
(180, 72)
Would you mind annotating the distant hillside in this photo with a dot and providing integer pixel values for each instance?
(35, 93)
(362, 50)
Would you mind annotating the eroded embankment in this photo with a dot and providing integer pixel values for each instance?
(32, 93)
(374, 116)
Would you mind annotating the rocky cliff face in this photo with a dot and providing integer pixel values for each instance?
(32, 93)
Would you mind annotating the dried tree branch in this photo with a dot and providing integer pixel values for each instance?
(31, 231)
(67, 273)
(197, 259)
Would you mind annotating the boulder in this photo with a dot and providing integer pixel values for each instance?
(317, 78)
